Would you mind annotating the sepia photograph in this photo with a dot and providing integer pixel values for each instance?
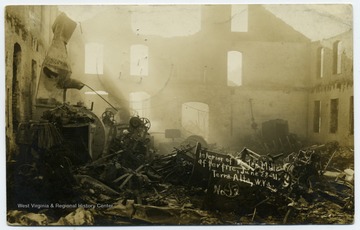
(179, 114)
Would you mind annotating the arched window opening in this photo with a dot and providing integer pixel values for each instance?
(234, 68)
(139, 103)
(321, 62)
(94, 59)
(195, 118)
(338, 50)
(139, 60)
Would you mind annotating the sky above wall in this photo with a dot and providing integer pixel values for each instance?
(316, 21)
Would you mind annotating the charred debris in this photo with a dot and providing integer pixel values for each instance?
(53, 181)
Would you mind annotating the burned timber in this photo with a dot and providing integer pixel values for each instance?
(133, 185)
(208, 150)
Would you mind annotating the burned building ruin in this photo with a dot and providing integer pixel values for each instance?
(177, 115)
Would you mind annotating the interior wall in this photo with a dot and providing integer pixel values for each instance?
(28, 36)
(332, 86)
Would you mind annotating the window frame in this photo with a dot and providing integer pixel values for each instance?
(233, 70)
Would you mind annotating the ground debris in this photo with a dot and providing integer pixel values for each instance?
(78, 217)
(324, 212)
(90, 183)
(172, 215)
(123, 210)
(15, 217)
(197, 186)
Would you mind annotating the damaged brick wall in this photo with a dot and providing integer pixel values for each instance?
(199, 72)
(336, 119)
(25, 45)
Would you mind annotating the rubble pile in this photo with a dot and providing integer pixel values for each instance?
(193, 185)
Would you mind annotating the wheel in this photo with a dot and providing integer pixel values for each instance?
(108, 118)
(146, 122)
(135, 122)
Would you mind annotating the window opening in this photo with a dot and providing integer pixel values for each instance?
(139, 60)
(139, 103)
(321, 63)
(234, 68)
(239, 18)
(351, 115)
(94, 58)
(317, 116)
(338, 49)
(334, 110)
(195, 118)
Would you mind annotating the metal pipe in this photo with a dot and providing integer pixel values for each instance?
(101, 97)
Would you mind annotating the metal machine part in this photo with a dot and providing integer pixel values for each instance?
(108, 118)
(98, 139)
(79, 119)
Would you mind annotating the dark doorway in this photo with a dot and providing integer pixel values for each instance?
(30, 100)
(15, 87)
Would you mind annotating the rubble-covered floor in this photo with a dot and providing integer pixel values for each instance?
(52, 181)
(175, 211)
(95, 194)
(180, 207)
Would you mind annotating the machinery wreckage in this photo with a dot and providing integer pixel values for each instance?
(133, 185)
(74, 168)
